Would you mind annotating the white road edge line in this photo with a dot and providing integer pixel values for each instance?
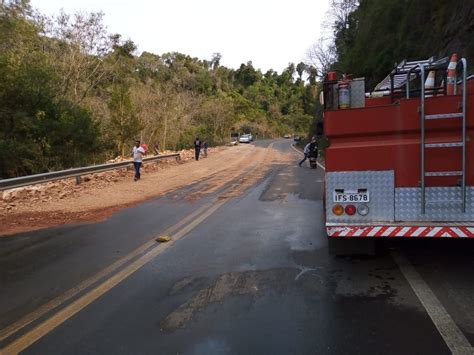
(449, 331)
(298, 151)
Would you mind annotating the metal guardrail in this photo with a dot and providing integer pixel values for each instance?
(76, 172)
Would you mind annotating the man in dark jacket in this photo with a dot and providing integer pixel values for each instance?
(309, 150)
(197, 148)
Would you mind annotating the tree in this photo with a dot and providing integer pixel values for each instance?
(300, 69)
(339, 13)
(312, 74)
(321, 56)
(324, 53)
(124, 122)
(246, 75)
(79, 46)
(38, 131)
(290, 69)
(215, 61)
(217, 115)
(72, 94)
(370, 39)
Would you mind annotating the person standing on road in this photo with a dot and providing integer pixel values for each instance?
(197, 148)
(156, 147)
(137, 154)
(308, 149)
(205, 146)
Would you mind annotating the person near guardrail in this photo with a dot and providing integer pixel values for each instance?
(197, 148)
(205, 146)
(156, 147)
(137, 153)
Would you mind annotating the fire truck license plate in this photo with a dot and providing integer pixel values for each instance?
(351, 196)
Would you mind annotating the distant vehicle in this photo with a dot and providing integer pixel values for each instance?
(245, 138)
(297, 138)
(287, 136)
(251, 137)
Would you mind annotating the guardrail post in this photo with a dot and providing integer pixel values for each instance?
(78, 180)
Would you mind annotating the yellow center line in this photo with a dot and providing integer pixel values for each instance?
(69, 311)
(57, 301)
(51, 323)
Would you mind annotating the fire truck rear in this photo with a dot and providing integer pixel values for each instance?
(400, 161)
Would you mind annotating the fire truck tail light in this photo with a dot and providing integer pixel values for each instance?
(350, 210)
(338, 210)
(363, 210)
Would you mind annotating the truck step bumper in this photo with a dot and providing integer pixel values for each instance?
(401, 231)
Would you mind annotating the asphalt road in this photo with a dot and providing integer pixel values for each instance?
(243, 274)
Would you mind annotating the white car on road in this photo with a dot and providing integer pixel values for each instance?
(245, 138)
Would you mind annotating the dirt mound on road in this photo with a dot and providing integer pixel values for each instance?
(100, 195)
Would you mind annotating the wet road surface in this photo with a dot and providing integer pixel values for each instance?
(244, 274)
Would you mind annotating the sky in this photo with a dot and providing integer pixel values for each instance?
(270, 33)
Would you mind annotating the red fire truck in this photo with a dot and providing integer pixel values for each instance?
(400, 161)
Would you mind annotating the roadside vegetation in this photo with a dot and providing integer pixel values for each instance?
(367, 38)
(73, 94)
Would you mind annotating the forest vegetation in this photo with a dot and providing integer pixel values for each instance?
(367, 38)
(72, 94)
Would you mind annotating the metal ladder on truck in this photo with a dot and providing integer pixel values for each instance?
(461, 144)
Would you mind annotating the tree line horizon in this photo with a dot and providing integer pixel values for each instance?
(73, 94)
